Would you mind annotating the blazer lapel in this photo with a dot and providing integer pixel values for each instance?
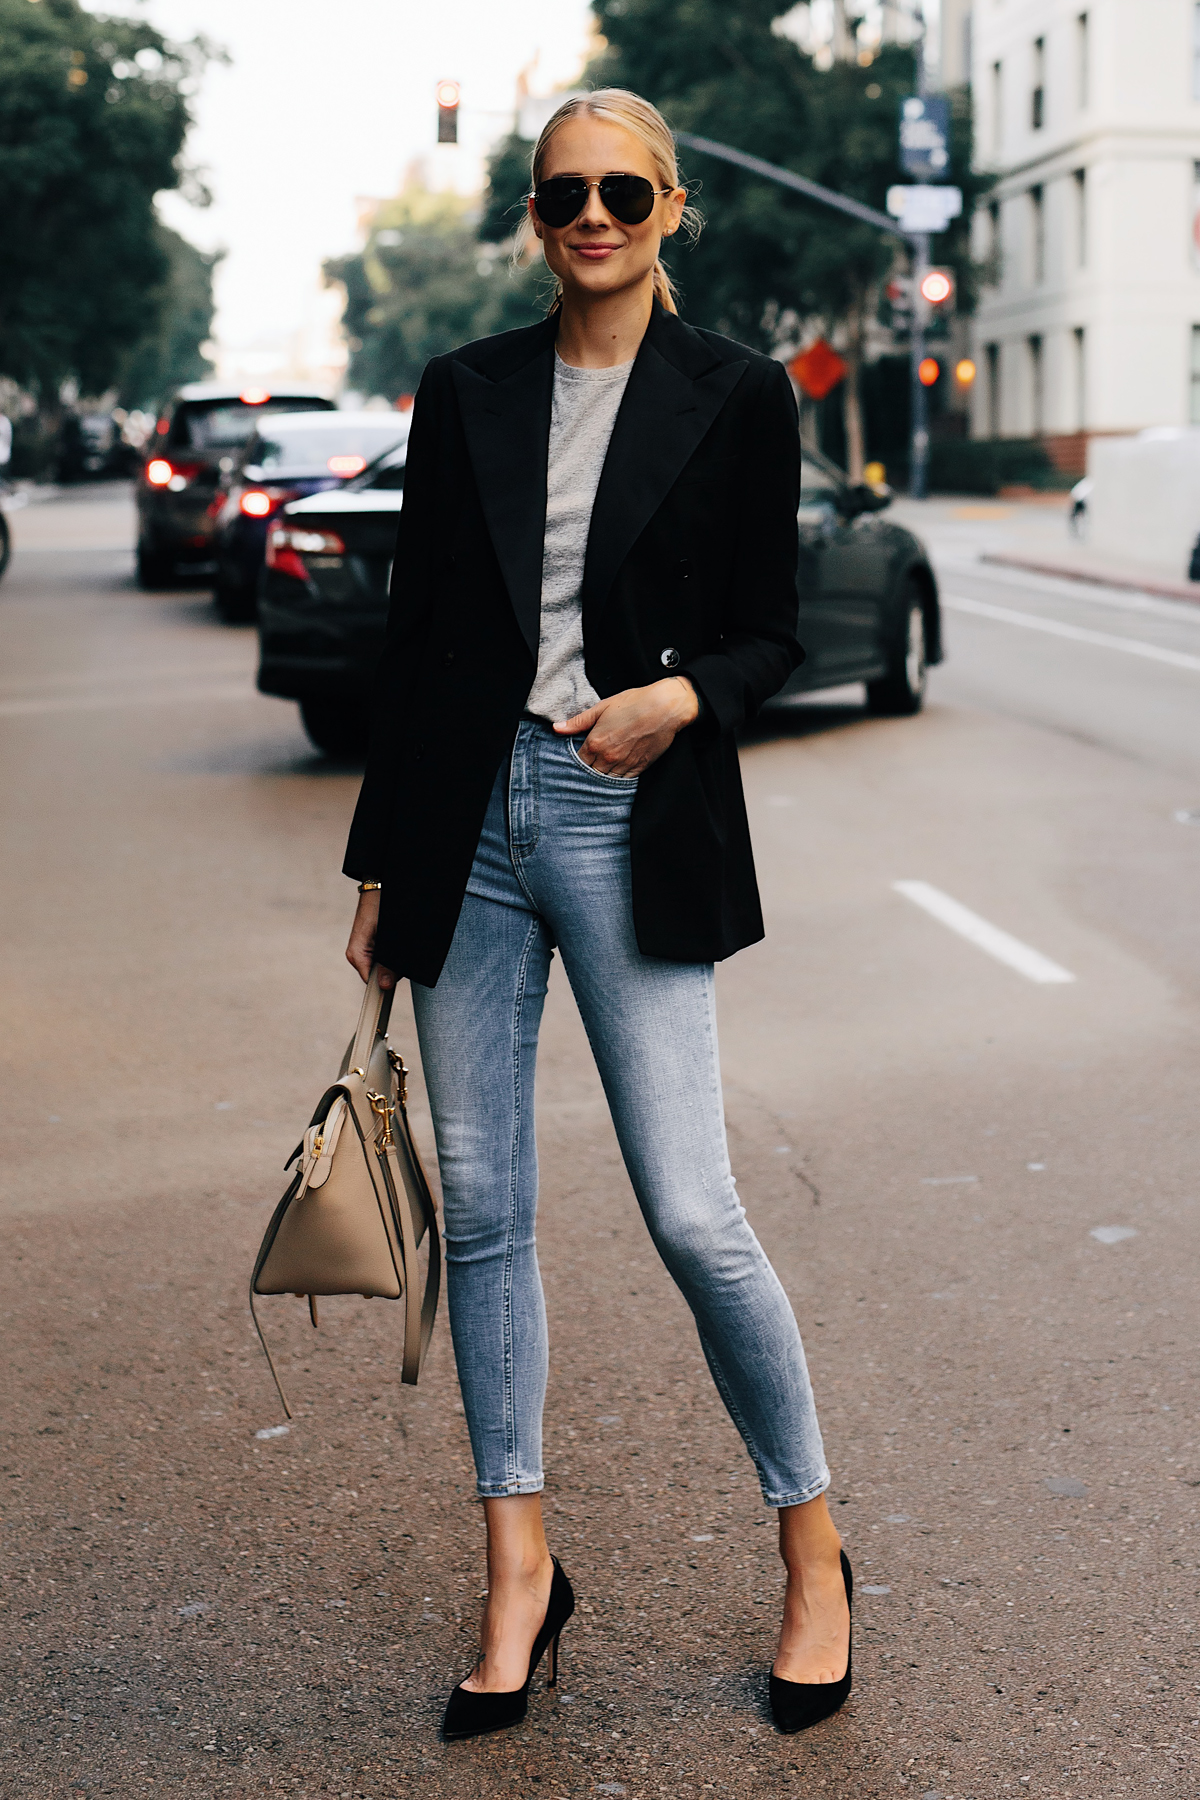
(506, 419)
(664, 414)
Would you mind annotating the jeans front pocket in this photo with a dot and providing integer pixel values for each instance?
(621, 781)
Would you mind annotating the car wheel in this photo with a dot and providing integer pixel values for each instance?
(902, 692)
(338, 727)
(235, 604)
(153, 571)
(5, 544)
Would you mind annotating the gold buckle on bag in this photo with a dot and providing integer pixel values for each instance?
(383, 1111)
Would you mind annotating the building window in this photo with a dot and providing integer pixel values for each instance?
(1077, 340)
(1081, 244)
(1037, 99)
(1036, 384)
(1037, 206)
(998, 107)
(992, 359)
(1083, 72)
(995, 244)
(1194, 410)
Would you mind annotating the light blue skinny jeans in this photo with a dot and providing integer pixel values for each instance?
(552, 867)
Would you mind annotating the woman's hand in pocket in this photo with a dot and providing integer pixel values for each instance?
(360, 951)
(629, 731)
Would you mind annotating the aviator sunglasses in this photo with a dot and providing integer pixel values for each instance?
(629, 198)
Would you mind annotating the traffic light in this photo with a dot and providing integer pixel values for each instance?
(447, 104)
(937, 289)
(899, 291)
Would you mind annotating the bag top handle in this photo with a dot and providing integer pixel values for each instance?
(372, 1021)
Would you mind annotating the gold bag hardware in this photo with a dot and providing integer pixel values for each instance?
(359, 1205)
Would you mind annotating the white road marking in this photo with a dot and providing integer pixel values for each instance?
(1078, 634)
(19, 709)
(1026, 961)
(948, 1180)
(1112, 1234)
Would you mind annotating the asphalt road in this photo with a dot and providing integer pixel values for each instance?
(926, 1139)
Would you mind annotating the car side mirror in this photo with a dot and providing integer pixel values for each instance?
(862, 498)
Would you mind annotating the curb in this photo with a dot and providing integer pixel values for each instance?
(1166, 590)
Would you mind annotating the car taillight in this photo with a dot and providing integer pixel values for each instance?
(287, 546)
(256, 504)
(160, 473)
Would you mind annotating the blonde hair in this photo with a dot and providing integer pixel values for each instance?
(646, 123)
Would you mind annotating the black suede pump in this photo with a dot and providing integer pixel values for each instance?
(471, 1715)
(795, 1705)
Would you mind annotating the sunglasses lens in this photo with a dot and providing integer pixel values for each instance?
(560, 200)
(629, 198)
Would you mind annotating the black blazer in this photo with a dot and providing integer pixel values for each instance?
(691, 565)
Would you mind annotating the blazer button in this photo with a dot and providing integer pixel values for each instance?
(448, 658)
(670, 658)
(685, 568)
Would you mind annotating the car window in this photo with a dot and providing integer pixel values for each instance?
(318, 447)
(226, 424)
(391, 478)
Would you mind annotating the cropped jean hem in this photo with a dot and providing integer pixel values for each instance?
(508, 1490)
(798, 1499)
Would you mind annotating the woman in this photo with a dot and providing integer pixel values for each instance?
(595, 584)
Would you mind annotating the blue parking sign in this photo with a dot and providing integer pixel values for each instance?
(925, 135)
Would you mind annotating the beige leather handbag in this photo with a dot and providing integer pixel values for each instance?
(359, 1204)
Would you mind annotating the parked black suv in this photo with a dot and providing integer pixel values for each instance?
(868, 601)
(198, 435)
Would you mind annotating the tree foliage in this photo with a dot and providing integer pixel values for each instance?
(169, 353)
(724, 73)
(425, 283)
(93, 115)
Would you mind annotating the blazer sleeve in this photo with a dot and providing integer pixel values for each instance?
(759, 647)
(408, 612)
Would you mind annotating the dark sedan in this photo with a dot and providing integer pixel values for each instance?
(868, 600)
(199, 435)
(286, 460)
(322, 602)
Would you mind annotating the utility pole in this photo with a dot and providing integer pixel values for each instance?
(918, 473)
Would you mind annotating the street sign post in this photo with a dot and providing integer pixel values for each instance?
(924, 208)
(925, 136)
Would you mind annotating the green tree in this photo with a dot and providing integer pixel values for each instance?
(507, 186)
(93, 115)
(424, 284)
(169, 353)
(767, 258)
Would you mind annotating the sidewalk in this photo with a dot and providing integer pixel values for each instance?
(1033, 535)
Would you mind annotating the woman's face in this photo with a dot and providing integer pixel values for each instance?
(595, 254)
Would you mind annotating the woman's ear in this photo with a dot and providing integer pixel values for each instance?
(533, 218)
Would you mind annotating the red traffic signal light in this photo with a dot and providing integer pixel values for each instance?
(448, 93)
(937, 287)
(928, 371)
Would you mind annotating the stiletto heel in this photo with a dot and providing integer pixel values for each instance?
(471, 1715)
(795, 1705)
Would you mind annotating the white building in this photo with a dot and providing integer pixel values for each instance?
(1089, 113)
